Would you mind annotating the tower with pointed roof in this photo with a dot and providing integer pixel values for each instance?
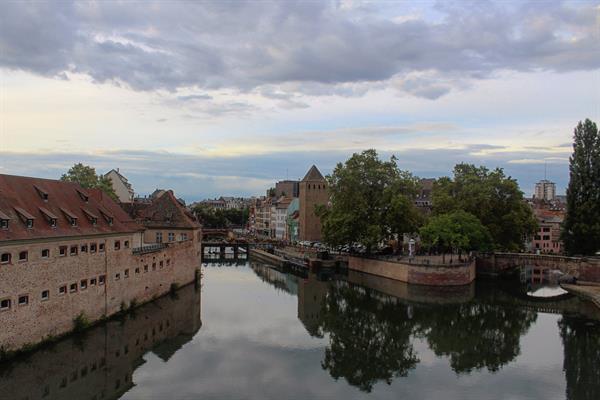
(313, 192)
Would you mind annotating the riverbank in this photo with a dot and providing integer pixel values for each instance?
(587, 292)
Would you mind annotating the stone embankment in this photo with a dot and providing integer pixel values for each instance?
(420, 271)
(587, 292)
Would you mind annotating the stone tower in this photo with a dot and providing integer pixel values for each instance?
(313, 191)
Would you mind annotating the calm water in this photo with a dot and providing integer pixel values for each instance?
(254, 332)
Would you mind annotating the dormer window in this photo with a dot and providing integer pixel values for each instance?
(84, 196)
(4, 220)
(25, 217)
(72, 218)
(50, 217)
(43, 194)
(92, 217)
(107, 216)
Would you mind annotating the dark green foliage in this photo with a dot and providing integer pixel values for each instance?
(369, 341)
(80, 323)
(581, 229)
(371, 200)
(581, 343)
(456, 231)
(86, 176)
(212, 218)
(493, 198)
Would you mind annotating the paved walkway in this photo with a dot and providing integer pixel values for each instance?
(588, 292)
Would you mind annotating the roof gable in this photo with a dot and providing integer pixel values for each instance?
(313, 174)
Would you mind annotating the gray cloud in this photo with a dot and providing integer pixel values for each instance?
(319, 47)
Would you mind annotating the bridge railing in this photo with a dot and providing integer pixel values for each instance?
(151, 248)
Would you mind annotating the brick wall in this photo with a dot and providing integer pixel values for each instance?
(32, 322)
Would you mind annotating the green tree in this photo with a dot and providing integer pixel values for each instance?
(371, 200)
(209, 217)
(493, 198)
(581, 229)
(86, 176)
(456, 231)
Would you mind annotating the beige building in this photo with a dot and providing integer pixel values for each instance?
(121, 186)
(313, 192)
(66, 251)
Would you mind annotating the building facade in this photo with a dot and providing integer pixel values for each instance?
(121, 186)
(547, 239)
(287, 188)
(66, 251)
(313, 192)
(545, 190)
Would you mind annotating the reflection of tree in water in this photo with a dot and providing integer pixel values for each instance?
(581, 342)
(475, 335)
(369, 340)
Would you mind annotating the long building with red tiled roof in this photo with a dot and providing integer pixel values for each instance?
(66, 250)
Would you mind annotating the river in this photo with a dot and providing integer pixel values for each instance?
(253, 332)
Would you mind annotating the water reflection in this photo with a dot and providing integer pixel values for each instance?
(371, 323)
(269, 333)
(581, 341)
(100, 363)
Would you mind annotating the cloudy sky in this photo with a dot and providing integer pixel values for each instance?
(212, 98)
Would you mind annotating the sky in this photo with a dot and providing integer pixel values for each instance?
(225, 98)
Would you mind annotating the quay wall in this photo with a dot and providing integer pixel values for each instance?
(431, 275)
(267, 257)
(584, 269)
(98, 284)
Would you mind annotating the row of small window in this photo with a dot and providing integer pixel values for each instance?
(161, 264)
(545, 237)
(170, 236)
(73, 250)
(23, 299)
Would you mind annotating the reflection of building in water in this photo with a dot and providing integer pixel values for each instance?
(100, 364)
(286, 282)
(403, 291)
(311, 295)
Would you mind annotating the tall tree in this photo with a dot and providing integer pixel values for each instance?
(456, 231)
(581, 229)
(493, 198)
(371, 200)
(86, 176)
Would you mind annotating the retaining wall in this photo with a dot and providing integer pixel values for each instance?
(432, 275)
(585, 269)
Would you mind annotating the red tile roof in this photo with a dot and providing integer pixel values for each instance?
(65, 200)
(164, 211)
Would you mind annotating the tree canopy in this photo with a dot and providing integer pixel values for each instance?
(581, 229)
(456, 231)
(371, 200)
(493, 198)
(212, 218)
(86, 176)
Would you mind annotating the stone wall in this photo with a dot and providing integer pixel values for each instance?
(97, 283)
(434, 275)
(585, 269)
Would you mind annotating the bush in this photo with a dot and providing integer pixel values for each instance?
(80, 322)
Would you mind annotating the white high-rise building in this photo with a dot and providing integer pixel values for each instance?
(545, 190)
